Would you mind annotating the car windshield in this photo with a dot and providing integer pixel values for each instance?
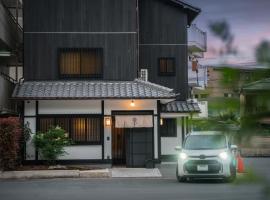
(197, 142)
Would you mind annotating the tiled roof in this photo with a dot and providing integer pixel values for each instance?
(136, 89)
(180, 107)
(261, 85)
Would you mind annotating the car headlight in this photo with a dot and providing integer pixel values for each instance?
(183, 156)
(224, 155)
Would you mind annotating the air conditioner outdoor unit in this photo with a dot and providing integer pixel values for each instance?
(144, 74)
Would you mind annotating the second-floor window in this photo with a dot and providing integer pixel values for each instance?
(166, 66)
(81, 63)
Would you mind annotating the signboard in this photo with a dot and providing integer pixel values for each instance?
(134, 121)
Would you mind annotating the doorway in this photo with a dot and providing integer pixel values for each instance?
(132, 147)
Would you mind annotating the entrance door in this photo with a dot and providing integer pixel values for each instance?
(139, 147)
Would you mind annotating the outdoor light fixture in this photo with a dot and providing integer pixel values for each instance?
(132, 104)
(161, 121)
(108, 121)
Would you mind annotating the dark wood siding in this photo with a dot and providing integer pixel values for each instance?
(106, 24)
(79, 15)
(163, 33)
(41, 58)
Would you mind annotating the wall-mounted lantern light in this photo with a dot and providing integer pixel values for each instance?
(108, 121)
(161, 121)
(132, 104)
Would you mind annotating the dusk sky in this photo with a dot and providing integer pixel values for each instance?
(249, 21)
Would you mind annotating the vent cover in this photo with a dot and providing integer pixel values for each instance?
(144, 74)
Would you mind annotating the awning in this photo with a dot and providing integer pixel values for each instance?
(180, 107)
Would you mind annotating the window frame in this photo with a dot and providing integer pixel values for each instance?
(81, 76)
(167, 73)
(163, 126)
(70, 117)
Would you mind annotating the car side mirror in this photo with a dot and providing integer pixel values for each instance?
(234, 147)
(178, 148)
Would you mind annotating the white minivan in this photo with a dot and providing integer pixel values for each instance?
(206, 155)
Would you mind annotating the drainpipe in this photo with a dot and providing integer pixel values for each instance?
(17, 45)
(138, 37)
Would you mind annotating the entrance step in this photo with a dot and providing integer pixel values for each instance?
(135, 173)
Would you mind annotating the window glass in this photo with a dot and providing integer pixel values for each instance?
(168, 129)
(80, 63)
(81, 130)
(200, 142)
(166, 66)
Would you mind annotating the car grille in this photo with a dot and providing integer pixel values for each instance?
(214, 166)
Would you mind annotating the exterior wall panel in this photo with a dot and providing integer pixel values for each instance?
(163, 33)
(54, 24)
(169, 143)
(69, 107)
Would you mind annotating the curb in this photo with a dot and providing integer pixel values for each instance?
(47, 174)
(101, 173)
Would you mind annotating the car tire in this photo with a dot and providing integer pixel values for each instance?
(180, 179)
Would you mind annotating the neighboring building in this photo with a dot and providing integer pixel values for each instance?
(103, 70)
(224, 85)
(255, 106)
(10, 53)
(197, 46)
(243, 74)
(197, 73)
(255, 99)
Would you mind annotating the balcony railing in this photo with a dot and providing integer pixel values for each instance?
(197, 39)
(11, 32)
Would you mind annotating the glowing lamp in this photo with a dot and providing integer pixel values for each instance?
(108, 121)
(161, 121)
(132, 104)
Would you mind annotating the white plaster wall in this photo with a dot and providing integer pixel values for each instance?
(29, 108)
(169, 143)
(63, 107)
(204, 109)
(155, 138)
(30, 149)
(70, 107)
(87, 107)
(82, 152)
(107, 143)
(110, 105)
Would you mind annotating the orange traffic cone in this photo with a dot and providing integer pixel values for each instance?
(240, 164)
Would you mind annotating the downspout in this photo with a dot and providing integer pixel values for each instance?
(138, 37)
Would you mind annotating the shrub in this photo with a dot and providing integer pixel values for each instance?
(51, 144)
(10, 142)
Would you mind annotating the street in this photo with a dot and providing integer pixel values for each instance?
(164, 188)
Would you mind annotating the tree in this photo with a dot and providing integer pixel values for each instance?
(51, 144)
(263, 52)
(221, 29)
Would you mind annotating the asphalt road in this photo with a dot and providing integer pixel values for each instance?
(166, 188)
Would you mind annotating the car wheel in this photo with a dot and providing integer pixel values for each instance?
(180, 178)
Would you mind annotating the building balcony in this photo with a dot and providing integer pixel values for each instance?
(197, 40)
(10, 30)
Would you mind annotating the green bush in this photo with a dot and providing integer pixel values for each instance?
(51, 144)
(11, 135)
